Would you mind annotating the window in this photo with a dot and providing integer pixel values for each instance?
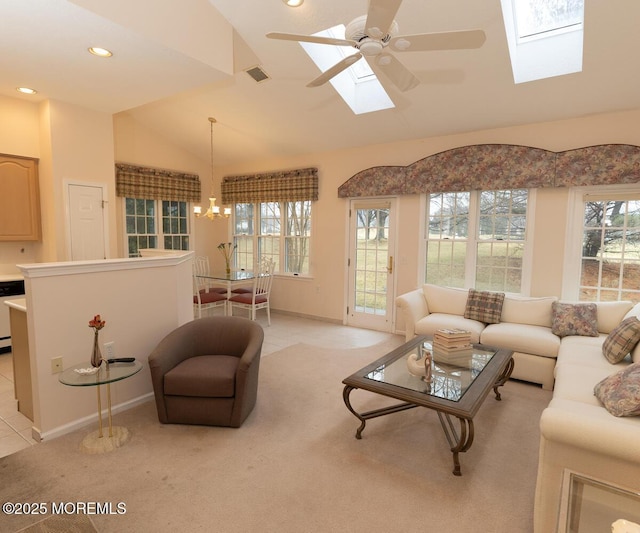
(610, 262)
(545, 37)
(283, 234)
(537, 17)
(145, 230)
(477, 239)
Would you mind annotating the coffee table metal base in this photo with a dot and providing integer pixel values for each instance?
(459, 440)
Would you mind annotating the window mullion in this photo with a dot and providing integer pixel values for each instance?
(283, 235)
(472, 239)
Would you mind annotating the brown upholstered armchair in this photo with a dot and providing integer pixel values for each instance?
(206, 371)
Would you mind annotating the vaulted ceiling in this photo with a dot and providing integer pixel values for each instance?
(177, 63)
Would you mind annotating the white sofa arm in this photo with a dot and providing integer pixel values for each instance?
(413, 306)
(588, 427)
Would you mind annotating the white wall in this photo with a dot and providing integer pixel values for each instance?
(324, 295)
(72, 144)
(141, 301)
(137, 145)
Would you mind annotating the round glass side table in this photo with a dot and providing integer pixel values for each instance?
(106, 374)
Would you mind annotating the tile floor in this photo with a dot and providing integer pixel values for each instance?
(285, 330)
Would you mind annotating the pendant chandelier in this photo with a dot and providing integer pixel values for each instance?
(213, 211)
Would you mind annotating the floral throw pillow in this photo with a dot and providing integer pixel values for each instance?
(622, 340)
(484, 306)
(620, 393)
(574, 319)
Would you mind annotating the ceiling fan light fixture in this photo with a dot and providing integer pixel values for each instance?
(369, 47)
(293, 3)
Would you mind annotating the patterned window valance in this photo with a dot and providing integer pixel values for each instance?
(286, 186)
(500, 166)
(155, 183)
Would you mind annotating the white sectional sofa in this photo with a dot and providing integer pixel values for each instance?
(578, 434)
(524, 327)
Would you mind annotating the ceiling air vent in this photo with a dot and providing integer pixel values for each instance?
(257, 74)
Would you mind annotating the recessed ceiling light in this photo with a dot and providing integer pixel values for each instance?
(100, 52)
(293, 3)
(26, 90)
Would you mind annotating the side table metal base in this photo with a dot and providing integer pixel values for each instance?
(93, 443)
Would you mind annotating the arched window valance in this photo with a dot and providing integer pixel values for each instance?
(499, 166)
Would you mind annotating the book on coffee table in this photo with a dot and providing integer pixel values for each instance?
(452, 340)
(452, 333)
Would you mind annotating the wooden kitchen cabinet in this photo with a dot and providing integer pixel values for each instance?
(19, 199)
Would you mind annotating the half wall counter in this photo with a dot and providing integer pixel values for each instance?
(140, 299)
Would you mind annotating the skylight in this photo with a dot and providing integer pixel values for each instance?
(358, 85)
(545, 37)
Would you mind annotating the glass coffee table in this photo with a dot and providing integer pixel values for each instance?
(458, 385)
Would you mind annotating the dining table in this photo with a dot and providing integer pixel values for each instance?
(230, 280)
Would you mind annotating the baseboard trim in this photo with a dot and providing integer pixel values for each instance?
(91, 419)
(310, 317)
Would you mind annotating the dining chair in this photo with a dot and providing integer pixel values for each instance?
(204, 298)
(201, 268)
(259, 295)
(266, 266)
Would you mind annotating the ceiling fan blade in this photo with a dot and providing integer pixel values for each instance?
(380, 17)
(400, 75)
(310, 39)
(334, 70)
(448, 40)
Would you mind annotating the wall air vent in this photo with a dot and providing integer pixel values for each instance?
(257, 74)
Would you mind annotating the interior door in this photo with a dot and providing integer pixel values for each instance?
(86, 222)
(371, 264)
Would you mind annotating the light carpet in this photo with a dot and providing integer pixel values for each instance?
(295, 465)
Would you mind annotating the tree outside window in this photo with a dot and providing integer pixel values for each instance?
(476, 239)
(283, 234)
(145, 230)
(610, 266)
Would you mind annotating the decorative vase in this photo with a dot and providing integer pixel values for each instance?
(96, 355)
(428, 358)
(228, 267)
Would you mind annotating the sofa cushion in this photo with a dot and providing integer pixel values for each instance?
(574, 319)
(484, 306)
(527, 310)
(585, 351)
(447, 300)
(620, 393)
(576, 382)
(610, 314)
(430, 323)
(536, 340)
(622, 340)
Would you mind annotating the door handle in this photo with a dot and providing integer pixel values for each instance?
(390, 265)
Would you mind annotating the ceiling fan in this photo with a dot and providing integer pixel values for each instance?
(373, 33)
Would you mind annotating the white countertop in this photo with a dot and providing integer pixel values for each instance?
(11, 277)
(19, 303)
